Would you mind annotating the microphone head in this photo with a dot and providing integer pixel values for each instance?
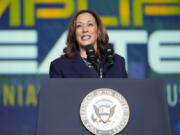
(109, 53)
(108, 49)
(91, 56)
(89, 49)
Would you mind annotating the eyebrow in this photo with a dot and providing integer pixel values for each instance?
(87, 21)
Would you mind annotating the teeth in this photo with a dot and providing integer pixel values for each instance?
(85, 37)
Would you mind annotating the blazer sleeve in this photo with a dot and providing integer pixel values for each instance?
(54, 71)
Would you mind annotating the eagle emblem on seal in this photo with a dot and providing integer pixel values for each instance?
(104, 112)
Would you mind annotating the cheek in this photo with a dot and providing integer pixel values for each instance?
(95, 32)
(95, 35)
(77, 35)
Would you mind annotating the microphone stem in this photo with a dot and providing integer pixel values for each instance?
(101, 68)
(101, 72)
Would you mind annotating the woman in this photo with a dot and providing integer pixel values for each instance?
(86, 29)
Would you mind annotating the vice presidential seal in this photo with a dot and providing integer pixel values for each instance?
(104, 112)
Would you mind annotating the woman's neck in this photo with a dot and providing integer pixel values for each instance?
(83, 53)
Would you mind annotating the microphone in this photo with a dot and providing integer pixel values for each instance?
(109, 54)
(91, 56)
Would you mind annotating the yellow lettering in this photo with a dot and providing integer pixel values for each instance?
(29, 12)
(15, 11)
(48, 13)
(31, 98)
(124, 12)
(20, 95)
(162, 10)
(138, 10)
(109, 20)
(82, 4)
(3, 5)
(8, 95)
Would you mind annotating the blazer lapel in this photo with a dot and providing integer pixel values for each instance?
(80, 67)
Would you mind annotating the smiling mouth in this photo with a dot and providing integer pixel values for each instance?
(86, 37)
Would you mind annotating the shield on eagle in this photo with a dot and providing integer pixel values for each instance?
(104, 112)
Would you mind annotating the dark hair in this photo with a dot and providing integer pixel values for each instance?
(72, 46)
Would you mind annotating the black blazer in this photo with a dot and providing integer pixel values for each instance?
(76, 68)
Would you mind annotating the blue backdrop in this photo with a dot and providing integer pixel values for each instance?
(33, 33)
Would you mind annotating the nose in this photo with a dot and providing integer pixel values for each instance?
(85, 29)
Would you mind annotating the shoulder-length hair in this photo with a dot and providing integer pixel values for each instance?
(72, 46)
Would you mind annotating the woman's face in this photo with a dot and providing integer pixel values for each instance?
(86, 30)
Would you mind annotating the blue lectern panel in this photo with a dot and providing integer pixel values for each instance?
(60, 101)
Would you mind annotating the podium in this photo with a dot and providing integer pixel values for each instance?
(60, 100)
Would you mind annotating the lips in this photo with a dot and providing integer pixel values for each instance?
(86, 37)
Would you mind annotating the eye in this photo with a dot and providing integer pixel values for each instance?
(90, 24)
(78, 25)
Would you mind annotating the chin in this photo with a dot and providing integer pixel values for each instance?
(86, 44)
